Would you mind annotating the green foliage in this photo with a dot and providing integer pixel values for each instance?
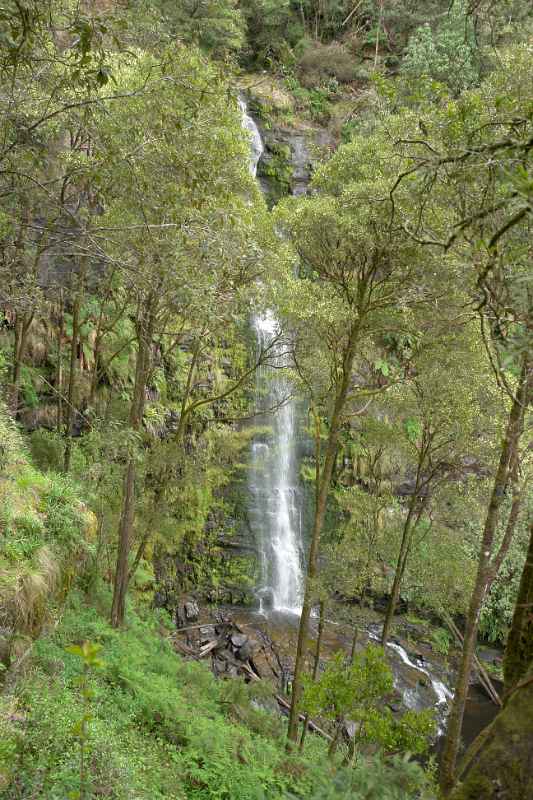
(497, 611)
(273, 29)
(9, 738)
(88, 652)
(217, 26)
(164, 728)
(343, 690)
(441, 639)
(446, 54)
(356, 691)
(371, 780)
(314, 100)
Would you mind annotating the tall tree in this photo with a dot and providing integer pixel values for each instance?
(355, 273)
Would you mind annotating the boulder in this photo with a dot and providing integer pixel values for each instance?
(247, 650)
(238, 640)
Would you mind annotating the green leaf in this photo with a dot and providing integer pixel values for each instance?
(413, 429)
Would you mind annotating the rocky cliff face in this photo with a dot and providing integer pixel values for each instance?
(290, 155)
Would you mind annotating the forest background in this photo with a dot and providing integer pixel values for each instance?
(134, 247)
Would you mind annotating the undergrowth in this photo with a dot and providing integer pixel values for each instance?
(162, 727)
(45, 539)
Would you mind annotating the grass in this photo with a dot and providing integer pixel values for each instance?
(45, 532)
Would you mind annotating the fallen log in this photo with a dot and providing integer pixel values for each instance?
(208, 647)
(483, 674)
(286, 705)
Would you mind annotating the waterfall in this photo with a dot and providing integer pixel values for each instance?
(256, 143)
(275, 498)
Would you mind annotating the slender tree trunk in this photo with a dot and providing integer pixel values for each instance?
(354, 645)
(145, 327)
(320, 513)
(15, 376)
(519, 648)
(95, 377)
(59, 369)
(378, 33)
(405, 546)
(484, 574)
(71, 391)
(321, 621)
(336, 740)
(22, 326)
(399, 573)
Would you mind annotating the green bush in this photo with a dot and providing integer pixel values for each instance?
(446, 54)
(319, 63)
(441, 639)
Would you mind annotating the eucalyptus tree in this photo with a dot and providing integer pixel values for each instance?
(357, 278)
(184, 220)
(470, 177)
(440, 411)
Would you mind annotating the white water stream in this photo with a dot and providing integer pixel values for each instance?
(442, 693)
(275, 497)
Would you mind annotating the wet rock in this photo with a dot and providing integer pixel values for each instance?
(264, 666)
(265, 704)
(247, 650)
(207, 632)
(238, 639)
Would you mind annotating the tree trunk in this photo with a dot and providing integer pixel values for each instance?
(145, 328)
(22, 326)
(399, 573)
(332, 749)
(71, 391)
(316, 665)
(519, 648)
(484, 574)
(354, 645)
(405, 547)
(59, 369)
(320, 513)
(95, 377)
(498, 764)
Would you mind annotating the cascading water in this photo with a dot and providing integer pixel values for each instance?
(442, 693)
(275, 497)
(256, 143)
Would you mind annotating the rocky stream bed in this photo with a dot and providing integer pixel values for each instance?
(242, 643)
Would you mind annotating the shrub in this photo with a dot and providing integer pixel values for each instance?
(447, 54)
(320, 63)
(441, 640)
